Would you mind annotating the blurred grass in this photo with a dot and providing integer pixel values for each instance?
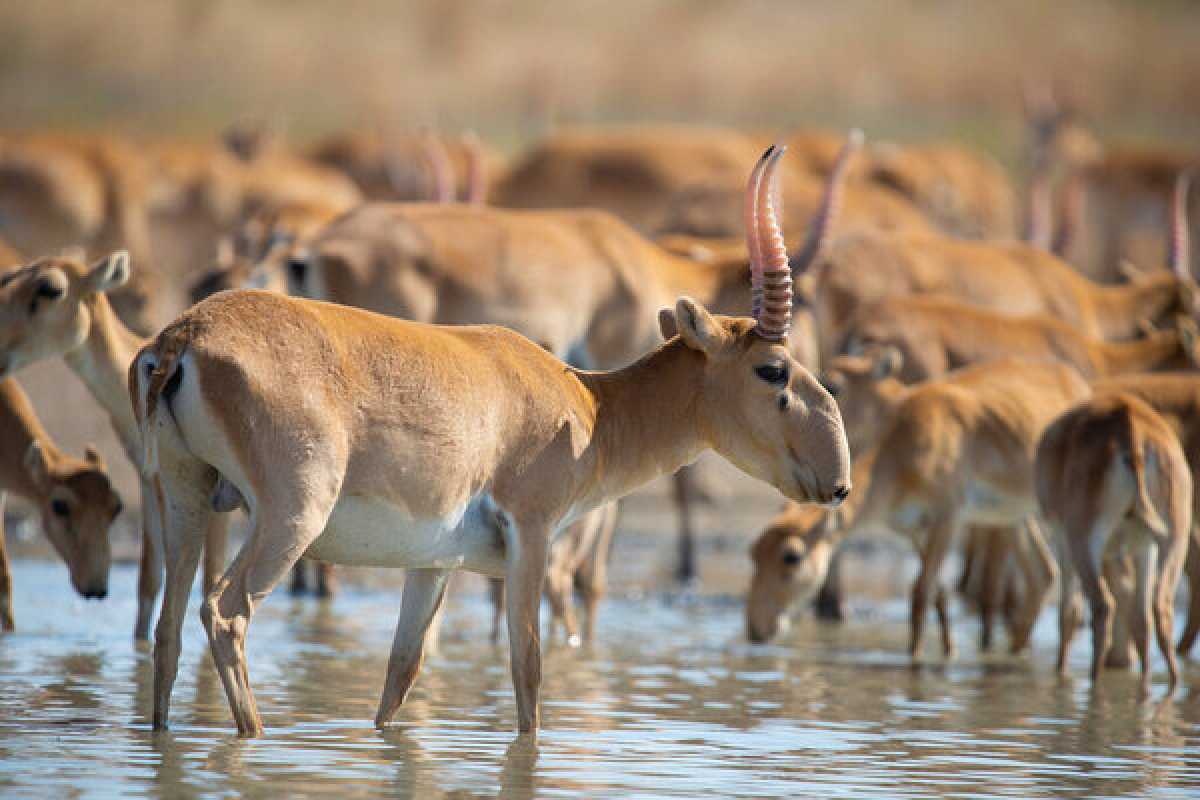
(510, 69)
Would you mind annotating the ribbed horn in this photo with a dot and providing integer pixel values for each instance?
(439, 168)
(775, 316)
(831, 205)
(752, 243)
(477, 178)
(1179, 257)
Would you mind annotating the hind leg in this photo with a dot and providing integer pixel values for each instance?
(1171, 558)
(285, 522)
(424, 591)
(1145, 558)
(184, 513)
(1039, 571)
(1192, 567)
(1086, 545)
(216, 540)
(151, 565)
(1069, 611)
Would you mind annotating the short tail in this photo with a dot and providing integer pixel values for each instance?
(1137, 446)
(154, 370)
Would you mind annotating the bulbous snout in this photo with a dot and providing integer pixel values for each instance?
(95, 592)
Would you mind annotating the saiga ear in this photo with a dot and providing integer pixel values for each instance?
(108, 273)
(697, 328)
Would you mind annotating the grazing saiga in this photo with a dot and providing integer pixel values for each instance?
(362, 439)
(946, 454)
(59, 307)
(74, 496)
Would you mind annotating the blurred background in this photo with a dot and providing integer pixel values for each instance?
(518, 70)
(510, 70)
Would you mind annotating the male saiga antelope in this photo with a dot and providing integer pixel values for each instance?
(75, 498)
(947, 454)
(362, 439)
(582, 283)
(1112, 479)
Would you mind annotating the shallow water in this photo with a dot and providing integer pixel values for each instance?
(670, 702)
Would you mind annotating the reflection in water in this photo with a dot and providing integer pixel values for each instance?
(669, 701)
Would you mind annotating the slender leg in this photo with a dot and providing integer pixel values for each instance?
(496, 592)
(424, 591)
(1095, 589)
(1145, 558)
(1119, 576)
(6, 611)
(526, 576)
(1164, 611)
(1069, 611)
(185, 514)
(216, 539)
(591, 577)
(151, 565)
(829, 604)
(1192, 629)
(326, 582)
(683, 484)
(560, 589)
(1039, 570)
(284, 525)
(941, 605)
(940, 535)
(299, 578)
(992, 551)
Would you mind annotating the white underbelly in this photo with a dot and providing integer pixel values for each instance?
(369, 532)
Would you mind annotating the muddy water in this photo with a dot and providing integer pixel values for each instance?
(670, 702)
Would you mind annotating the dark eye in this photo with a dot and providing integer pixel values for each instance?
(772, 373)
(60, 508)
(791, 558)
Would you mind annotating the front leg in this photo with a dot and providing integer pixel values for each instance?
(6, 612)
(527, 546)
(424, 590)
(926, 587)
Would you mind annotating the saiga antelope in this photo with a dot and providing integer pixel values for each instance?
(582, 283)
(74, 497)
(946, 454)
(1176, 398)
(59, 307)
(362, 439)
(1016, 278)
(1113, 481)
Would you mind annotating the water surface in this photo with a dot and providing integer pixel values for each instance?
(669, 702)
